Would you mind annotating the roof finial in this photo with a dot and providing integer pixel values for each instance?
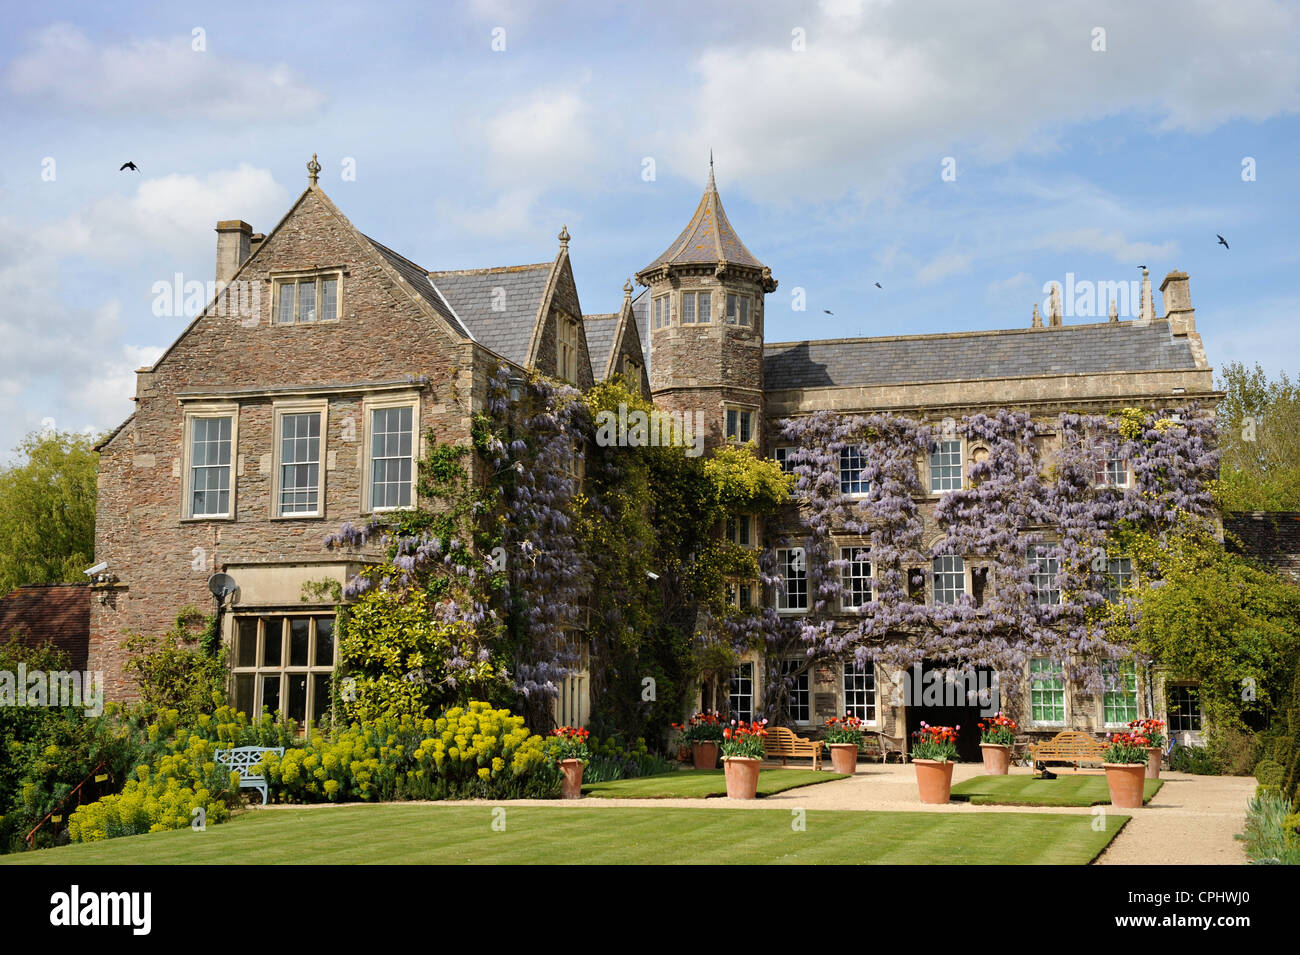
(564, 236)
(1037, 320)
(313, 170)
(627, 289)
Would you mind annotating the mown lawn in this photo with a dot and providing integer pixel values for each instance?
(449, 833)
(702, 783)
(1064, 790)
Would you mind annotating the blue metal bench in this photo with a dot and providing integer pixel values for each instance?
(242, 759)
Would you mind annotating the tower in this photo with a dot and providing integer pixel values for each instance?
(706, 325)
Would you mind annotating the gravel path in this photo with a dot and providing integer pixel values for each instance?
(1191, 821)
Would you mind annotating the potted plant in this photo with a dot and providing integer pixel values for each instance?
(844, 737)
(1154, 731)
(997, 736)
(934, 750)
(569, 745)
(703, 733)
(1125, 760)
(742, 754)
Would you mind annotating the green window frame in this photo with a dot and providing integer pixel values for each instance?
(1046, 692)
(1120, 705)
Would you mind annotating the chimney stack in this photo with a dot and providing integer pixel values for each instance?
(233, 242)
(1178, 303)
(1147, 311)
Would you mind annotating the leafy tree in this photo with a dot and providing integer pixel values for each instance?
(1259, 441)
(47, 511)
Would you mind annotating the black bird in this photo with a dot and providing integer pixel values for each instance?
(128, 165)
(1222, 241)
(879, 286)
(828, 311)
(1142, 267)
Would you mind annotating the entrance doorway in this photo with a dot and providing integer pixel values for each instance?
(933, 701)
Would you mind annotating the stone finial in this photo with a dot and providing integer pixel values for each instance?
(313, 170)
(1148, 309)
(627, 289)
(1114, 310)
(564, 236)
(1054, 306)
(1037, 320)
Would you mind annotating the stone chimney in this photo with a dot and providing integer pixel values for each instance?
(1178, 303)
(233, 243)
(1054, 306)
(1147, 311)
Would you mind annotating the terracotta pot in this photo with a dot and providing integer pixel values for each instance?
(997, 758)
(1125, 781)
(572, 786)
(705, 755)
(1153, 762)
(933, 779)
(742, 776)
(844, 758)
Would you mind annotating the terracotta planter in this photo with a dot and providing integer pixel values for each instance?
(844, 758)
(572, 786)
(1153, 762)
(705, 755)
(997, 758)
(1125, 781)
(934, 780)
(742, 776)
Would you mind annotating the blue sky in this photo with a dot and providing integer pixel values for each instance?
(830, 124)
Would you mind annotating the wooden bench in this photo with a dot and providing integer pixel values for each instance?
(881, 746)
(781, 743)
(1069, 746)
(242, 759)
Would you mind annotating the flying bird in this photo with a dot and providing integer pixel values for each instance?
(1222, 241)
(828, 311)
(128, 165)
(879, 286)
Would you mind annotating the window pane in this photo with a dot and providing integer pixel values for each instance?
(949, 579)
(853, 464)
(307, 300)
(324, 642)
(320, 702)
(210, 466)
(299, 463)
(272, 645)
(794, 574)
(246, 642)
(703, 307)
(945, 466)
(297, 709)
(731, 309)
(688, 308)
(244, 687)
(329, 300)
(1046, 691)
(855, 578)
(1043, 569)
(742, 692)
(797, 696)
(860, 690)
(286, 303)
(390, 457)
(299, 641)
(744, 310)
(271, 692)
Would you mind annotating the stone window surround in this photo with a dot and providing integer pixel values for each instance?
(370, 404)
(258, 670)
(281, 279)
(278, 410)
(223, 409)
(781, 596)
(751, 410)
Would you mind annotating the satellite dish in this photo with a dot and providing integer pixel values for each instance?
(221, 585)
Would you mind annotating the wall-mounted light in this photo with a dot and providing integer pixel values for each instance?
(515, 385)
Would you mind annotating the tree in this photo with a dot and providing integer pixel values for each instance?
(1259, 441)
(47, 511)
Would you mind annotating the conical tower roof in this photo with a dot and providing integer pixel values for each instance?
(708, 238)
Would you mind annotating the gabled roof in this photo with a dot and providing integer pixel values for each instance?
(969, 356)
(498, 306)
(49, 613)
(600, 331)
(419, 280)
(708, 237)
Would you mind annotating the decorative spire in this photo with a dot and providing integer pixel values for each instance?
(1114, 310)
(313, 170)
(1054, 306)
(1148, 310)
(627, 289)
(1037, 321)
(564, 236)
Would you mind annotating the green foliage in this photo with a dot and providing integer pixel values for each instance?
(1269, 773)
(1259, 441)
(184, 670)
(1197, 760)
(1272, 833)
(47, 511)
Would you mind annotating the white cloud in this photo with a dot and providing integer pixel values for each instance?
(943, 266)
(1114, 244)
(548, 137)
(63, 67)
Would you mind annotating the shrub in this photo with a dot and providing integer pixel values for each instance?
(1271, 831)
(184, 670)
(1269, 773)
(1193, 759)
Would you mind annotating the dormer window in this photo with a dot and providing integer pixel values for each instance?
(306, 299)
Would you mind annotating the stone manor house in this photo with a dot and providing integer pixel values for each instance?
(297, 399)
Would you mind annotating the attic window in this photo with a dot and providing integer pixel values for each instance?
(566, 358)
(305, 299)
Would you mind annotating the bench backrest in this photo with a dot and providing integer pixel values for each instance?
(1071, 743)
(782, 741)
(242, 759)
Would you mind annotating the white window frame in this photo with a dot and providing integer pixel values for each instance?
(1117, 579)
(1169, 712)
(208, 411)
(1045, 575)
(368, 407)
(804, 678)
(783, 564)
(1115, 465)
(947, 570)
(846, 575)
(281, 280)
(1064, 690)
(851, 670)
(851, 454)
(1119, 671)
(941, 466)
(741, 413)
(737, 677)
(279, 410)
(784, 457)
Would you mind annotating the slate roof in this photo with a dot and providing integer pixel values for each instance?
(708, 237)
(471, 292)
(55, 613)
(969, 356)
(641, 315)
(418, 279)
(600, 331)
(1272, 538)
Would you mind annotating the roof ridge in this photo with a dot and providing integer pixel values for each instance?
(490, 269)
(973, 333)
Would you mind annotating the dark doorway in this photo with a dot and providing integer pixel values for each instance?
(930, 700)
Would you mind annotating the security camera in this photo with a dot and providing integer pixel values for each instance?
(97, 569)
